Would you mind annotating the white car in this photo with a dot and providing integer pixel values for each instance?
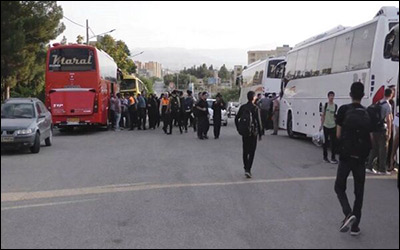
(233, 108)
(224, 113)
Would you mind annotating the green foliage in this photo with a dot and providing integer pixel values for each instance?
(231, 95)
(119, 51)
(223, 73)
(26, 26)
(183, 80)
(149, 84)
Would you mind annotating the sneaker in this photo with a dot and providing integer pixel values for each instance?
(334, 161)
(375, 172)
(326, 160)
(355, 231)
(369, 171)
(347, 223)
(248, 175)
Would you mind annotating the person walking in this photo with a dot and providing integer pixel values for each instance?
(188, 109)
(118, 112)
(133, 106)
(202, 116)
(112, 110)
(275, 113)
(152, 111)
(265, 107)
(381, 136)
(328, 125)
(217, 107)
(142, 112)
(175, 108)
(165, 112)
(353, 130)
(248, 124)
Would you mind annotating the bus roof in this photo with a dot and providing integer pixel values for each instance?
(388, 12)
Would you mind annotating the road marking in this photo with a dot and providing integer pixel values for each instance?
(22, 196)
(46, 204)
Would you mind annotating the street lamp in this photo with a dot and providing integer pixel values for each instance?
(138, 54)
(103, 33)
(87, 32)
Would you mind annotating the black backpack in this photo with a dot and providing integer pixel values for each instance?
(246, 125)
(188, 104)
(355, 140)
(175, 104)
(377, 121)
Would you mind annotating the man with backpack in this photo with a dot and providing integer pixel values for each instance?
(353, 131)
(382, 120)
(175, 110)
(328, 124)
(248, 124)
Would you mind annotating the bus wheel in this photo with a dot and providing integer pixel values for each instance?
(290, 125)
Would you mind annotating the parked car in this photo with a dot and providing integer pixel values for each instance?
(25, 123)
(224, 113)
(233, 108)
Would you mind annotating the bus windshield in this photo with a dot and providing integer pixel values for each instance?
(72, 59)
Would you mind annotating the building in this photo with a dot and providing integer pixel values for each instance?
(256, 55)
(154, 69)
(237, 71)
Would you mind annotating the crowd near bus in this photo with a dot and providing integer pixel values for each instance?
(338, 85)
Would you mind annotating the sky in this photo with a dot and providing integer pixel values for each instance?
(214, 25)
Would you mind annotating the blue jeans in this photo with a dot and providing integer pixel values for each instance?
(117, 120)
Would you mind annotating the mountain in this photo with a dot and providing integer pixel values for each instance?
(178, 58)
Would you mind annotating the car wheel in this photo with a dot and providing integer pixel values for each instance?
(49, 141)
(36, 147)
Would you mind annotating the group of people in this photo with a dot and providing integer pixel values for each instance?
(358, 134)
(384, 142)
(173, 109)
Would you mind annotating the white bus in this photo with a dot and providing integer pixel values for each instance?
(260, 78)
(332, 62)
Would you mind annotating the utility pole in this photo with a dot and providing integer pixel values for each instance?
(87, 32)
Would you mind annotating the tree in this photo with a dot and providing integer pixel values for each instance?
(223, 73)
(26, 26)
(119, 51)
(149, 84)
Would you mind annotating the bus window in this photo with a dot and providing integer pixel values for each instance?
(326, 56)
(361, 51)
(312, 61)
(72, 60)
(301, 63)
(272, 72)
(341, 58)
(291, 65)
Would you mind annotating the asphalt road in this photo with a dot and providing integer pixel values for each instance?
(144, 189)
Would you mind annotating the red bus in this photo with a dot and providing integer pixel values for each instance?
(79, 82)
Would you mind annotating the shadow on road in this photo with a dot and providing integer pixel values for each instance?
(80, 131)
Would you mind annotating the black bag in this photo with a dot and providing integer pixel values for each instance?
(355, 140)
(174, 105)
(246, 125)
(377, 121)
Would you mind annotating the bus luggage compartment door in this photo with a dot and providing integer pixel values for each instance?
(70, 103)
